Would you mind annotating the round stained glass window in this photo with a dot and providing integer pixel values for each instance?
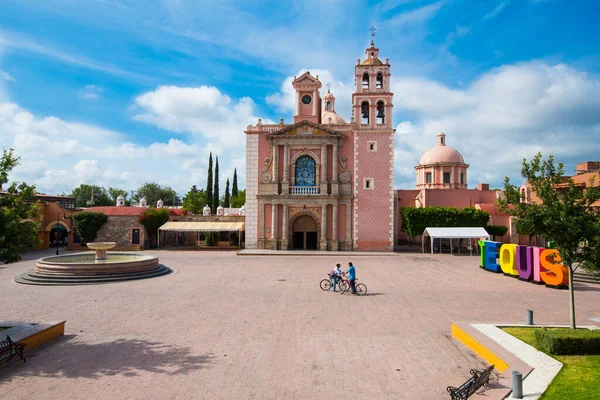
(306, 99)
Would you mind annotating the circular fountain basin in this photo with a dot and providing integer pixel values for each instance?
(86, 269)
(86, 264)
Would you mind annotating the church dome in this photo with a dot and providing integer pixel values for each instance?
(441, 153)
(331, 117)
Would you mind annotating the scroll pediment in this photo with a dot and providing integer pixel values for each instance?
(305, 129)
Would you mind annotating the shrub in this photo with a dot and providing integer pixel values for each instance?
(415, 220)
(496, 230)
(88, 223)
(568, 341)
(152, 219)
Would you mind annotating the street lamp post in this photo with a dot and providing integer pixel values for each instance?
(58, 224)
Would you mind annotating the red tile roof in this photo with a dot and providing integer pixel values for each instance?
(124, 211)
(114, 210)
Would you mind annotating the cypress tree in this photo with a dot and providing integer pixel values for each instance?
(226, 202)
(234, 188)
(215, 202)
(209, 183)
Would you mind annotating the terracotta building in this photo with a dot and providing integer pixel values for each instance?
(321, 182)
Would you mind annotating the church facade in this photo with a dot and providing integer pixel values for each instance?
(322, 183)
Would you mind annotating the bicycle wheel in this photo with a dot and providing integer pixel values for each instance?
(361, 289)
(325, 284)
(342, 285)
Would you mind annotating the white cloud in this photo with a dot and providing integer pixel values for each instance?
(212, 117)
(506, 115)
(58, 155)
(6, 76)
(90, 92)
(497, 10)
(418, 15)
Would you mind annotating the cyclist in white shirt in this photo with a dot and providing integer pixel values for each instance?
(336, 275)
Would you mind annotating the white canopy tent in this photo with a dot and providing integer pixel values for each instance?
(453, 233)
(193, 226)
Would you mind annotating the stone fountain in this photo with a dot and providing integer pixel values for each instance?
(101, 248)
(93, 268)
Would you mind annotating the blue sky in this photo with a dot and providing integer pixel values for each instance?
(118, 93)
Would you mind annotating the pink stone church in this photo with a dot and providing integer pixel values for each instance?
(322, 183)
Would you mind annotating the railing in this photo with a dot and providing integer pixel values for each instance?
(304, 190)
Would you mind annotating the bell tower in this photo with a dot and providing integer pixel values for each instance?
(374, 205)
(308, 100)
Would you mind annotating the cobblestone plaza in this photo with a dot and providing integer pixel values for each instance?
(258, 327)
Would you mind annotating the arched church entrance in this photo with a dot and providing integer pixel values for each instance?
(305, 233)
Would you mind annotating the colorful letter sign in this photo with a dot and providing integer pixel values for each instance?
(528, 263)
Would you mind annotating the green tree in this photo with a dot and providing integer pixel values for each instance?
(88, 223)
(153, 192)
(16, 205)
(195, 200)
(566, 214)
(239, 200)
(216, 190)
(415, 220)
(114, 193)
(234, 186)
(152, 219)
(227, 197)
(209, 183)
(91, 195)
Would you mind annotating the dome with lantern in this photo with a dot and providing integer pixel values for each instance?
(442, 167)
(329, 116)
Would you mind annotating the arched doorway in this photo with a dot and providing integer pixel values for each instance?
(304, 233)
(57, 235)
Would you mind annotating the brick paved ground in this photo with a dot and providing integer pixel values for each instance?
(258, 327)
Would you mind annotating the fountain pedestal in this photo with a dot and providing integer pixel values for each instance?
(101, 248)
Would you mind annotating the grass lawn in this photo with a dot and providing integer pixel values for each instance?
(579, 378)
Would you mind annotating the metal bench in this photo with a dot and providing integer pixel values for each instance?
(9, 349)
(477, 380)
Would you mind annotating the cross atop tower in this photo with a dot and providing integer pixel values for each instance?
(328, 87)
(373, 30)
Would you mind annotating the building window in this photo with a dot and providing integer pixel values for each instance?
(462, 178)
(368, 183)
(365, 81)
(371, 146)
(328, 107)
(446, 177)
(305, 171)
(428, 178)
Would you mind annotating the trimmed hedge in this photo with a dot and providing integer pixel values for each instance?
(415, 220)
(568, 342)
(496, 230)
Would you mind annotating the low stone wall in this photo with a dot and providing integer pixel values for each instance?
(118, 229)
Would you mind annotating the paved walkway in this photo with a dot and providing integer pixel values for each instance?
(230, 327)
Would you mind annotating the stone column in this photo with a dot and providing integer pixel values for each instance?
(323, 242)
(285, 183)
(348, 227)
(273, 226)
(334, 221)
(334, 173)
(297, 103)
(284, 228)
(261, 225)
(315, 105)
(452, 175)
(275, 162)
(323, 182)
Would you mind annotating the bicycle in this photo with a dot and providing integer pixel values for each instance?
(361, 288)
(326, 284)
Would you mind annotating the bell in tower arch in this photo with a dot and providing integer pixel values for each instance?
(365, 110)
(380, 112)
